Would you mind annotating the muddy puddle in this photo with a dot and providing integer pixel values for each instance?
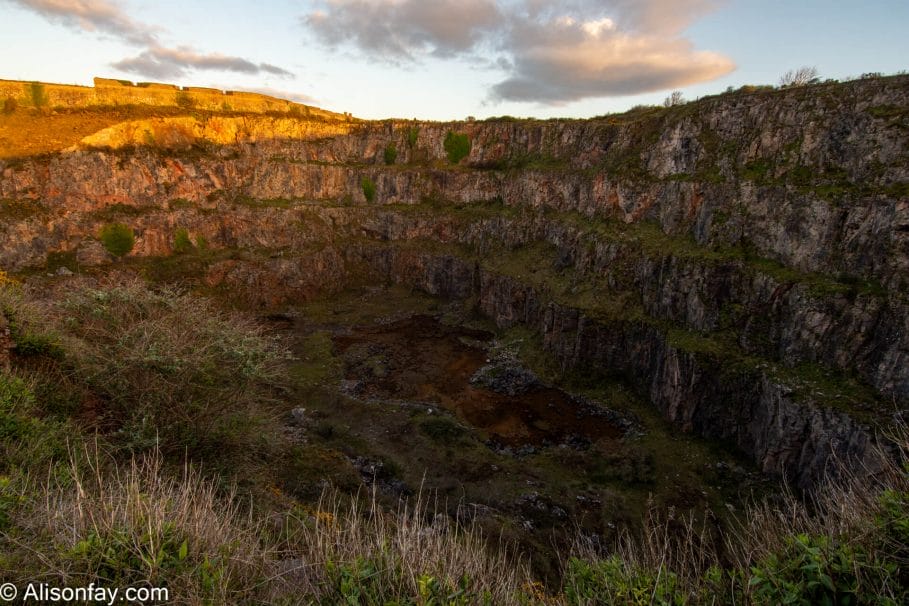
(421, 360)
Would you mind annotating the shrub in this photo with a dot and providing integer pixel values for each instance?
(26, 441)
(184, 100)
(457, 146)
(391, 153)
(674, 99)
(10, 105)
(412, 133)
(369, 189)
(37, 94)
(812, 570)
(182, 242)
(118, 239)
(170, 368)
(799, 77)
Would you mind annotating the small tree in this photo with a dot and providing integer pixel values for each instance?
(799, 77)
(9, 105)
(118, 239)
(675, 98)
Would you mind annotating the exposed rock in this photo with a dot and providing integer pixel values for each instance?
(712, 256)
(506, 375)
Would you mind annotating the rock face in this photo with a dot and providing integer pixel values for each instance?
(742, 260)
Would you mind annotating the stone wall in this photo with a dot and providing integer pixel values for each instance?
(124, 92)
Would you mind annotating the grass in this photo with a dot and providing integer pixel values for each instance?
(168, 368)
(78, 510)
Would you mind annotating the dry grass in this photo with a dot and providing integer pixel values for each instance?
(28, 132)
(853, 533)
(136, 524)
(353, 547)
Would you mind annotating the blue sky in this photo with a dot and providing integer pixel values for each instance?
(447, 59)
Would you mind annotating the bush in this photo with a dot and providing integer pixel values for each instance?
(799, 77)
(369, 189)
(118, 239)
(412, 133)
(10, 105)
(184, 100)
(391, 153)
(457, 146)
(170, 368)
(37, 94)
(811, 571)
(182, 242)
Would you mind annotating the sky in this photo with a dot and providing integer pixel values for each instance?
(449, 59)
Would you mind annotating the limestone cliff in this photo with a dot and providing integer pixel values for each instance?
(743, 260)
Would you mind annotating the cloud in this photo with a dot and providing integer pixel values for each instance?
(155, 60)
(162, 62)
(563, 59)
(551, 52)
(395, 30)
(92, 15)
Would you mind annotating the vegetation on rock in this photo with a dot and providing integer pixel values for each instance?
(457, 146)
(118, 239)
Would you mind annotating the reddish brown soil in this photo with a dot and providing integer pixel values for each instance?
(419, 359)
